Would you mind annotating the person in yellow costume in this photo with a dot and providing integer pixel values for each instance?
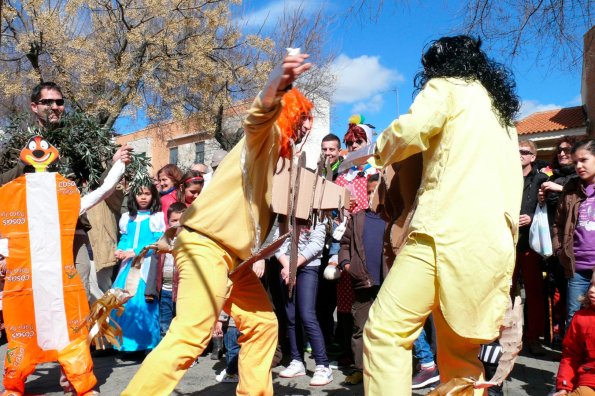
(459, 254)
(224, 226)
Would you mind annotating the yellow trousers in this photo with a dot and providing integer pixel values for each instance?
(582, 391)
(204, 290)
(407, 297)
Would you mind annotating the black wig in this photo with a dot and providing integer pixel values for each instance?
(461, 57)
(155, 200)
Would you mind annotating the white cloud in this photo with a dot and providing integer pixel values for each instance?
(529, 107)
(361, 78)
(576, 101)
(370, 106)
(270, 14)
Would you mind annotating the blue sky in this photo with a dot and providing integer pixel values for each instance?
(376, 58)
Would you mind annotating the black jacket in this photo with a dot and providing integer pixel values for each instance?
(561, 176)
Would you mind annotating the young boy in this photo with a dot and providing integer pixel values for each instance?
(362, 255)
(162, 281)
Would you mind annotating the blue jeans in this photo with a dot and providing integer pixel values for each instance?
(166, 311)
(304, 300)
(422, 350)
(577, 286)
(230, 339)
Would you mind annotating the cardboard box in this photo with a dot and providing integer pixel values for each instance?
(326, 194)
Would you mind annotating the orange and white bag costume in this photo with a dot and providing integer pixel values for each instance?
(44, 299)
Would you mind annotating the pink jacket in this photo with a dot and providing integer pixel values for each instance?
(166, 201)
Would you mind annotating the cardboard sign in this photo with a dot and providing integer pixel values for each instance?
(333, 196)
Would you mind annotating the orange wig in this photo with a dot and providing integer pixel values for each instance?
(295, 108)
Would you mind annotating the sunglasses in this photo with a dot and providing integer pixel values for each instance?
(50, 102)
(350, 142)
(565, 150)
(526, 152)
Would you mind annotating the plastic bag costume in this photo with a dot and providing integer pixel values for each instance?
(44, 300)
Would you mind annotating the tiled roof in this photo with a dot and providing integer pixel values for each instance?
(552, 120)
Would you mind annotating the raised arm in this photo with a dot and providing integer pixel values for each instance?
(103, 191)
(266, 107)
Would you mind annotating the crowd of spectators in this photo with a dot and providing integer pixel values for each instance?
(342, 263)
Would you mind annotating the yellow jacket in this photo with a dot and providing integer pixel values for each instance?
(235, 210)
(469, 199)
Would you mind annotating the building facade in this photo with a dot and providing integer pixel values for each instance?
(183, 143)
(545, 128)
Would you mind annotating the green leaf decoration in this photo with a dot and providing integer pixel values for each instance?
(86, 148)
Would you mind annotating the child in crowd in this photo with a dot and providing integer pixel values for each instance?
(362, 256)
(190, 187)
(301, 307)
(163, 279)
(141, 226)
(574, 228)
(355, 180)
(427, 371)
(169, 177)
(576, 375)
(226, 326)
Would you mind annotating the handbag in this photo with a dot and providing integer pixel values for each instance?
(133, 279)
(540, 239)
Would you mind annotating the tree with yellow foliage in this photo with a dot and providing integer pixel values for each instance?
(114, 57)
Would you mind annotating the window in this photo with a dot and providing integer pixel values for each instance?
(199, 153)
(173, 155)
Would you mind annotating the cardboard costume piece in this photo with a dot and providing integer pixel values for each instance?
(299, 193)
(325, 196)
(44, 300)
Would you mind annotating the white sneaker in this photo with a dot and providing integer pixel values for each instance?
(322, 376)
(224, 377)
(295, 369)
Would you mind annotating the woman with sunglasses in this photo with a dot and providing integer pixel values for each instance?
(356, 178)
(563, 171)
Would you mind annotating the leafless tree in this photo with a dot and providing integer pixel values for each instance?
(548, 31)
(551, 29)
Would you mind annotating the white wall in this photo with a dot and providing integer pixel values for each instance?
(187, 153)
(141, 146)
(320, 128)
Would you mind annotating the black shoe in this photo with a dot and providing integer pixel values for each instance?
(425, 377)
(536, 349)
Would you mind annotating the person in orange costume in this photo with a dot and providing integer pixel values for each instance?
(223, 226)
(44, 300)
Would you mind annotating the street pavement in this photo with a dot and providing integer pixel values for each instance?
(531, 376)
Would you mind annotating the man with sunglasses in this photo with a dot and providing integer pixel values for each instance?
(47, 103)
(527, 262)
